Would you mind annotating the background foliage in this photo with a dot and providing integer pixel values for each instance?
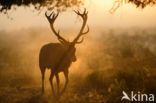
(61, 5)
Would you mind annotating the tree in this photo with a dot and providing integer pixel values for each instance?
(138, 3)
(6, 5)
(61, 5)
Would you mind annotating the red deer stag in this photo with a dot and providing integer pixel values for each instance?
(59, 56)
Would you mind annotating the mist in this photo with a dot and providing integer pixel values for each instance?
(108, 61)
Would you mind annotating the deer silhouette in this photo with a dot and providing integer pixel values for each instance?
(58, 56)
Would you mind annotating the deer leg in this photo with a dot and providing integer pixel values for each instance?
(58, 83)
(51, 82)
(66, 82)
(42, 72)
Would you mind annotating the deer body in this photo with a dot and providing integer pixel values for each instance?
(58, 56)
(51, 54)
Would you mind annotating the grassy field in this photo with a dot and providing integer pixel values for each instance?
(108, 63)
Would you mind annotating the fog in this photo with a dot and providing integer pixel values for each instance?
(107, 61)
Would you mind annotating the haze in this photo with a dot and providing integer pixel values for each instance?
(125, 17)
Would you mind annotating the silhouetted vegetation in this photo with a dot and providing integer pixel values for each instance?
(124, 62)
(6, 5)
(62, 5)
(138, 3)
(142, 3)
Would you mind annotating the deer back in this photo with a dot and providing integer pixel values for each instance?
(51, 54)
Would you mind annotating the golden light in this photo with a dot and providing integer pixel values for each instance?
(102, 2)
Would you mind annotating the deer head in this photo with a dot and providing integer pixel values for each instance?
(52, 17)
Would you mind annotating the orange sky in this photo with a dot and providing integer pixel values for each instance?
(126, 16)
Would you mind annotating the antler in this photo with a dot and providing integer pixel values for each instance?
(51, 18)
(84, 17)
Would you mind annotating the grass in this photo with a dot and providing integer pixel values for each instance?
(109, 65)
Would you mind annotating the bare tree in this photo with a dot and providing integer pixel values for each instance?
(59, 56)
